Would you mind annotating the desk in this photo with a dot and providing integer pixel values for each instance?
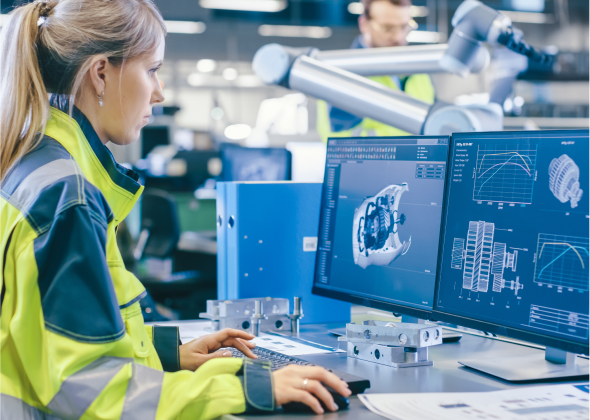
(445, 376)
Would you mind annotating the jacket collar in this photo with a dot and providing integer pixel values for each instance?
(120, 181)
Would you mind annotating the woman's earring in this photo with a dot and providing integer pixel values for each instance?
(100, 98)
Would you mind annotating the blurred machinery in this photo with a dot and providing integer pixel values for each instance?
(336, 76)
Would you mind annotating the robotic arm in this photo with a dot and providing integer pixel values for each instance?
(337, 76)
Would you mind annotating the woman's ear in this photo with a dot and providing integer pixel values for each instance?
(98, 74)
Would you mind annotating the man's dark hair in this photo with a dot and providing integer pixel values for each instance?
(367, 5)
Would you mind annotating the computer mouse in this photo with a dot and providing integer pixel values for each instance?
(299, 407)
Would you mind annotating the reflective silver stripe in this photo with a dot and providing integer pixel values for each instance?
(80, 390)
(15, 408)
(24, 196)
(143, 393)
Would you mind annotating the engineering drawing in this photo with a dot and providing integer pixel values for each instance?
(375, 239)
(504, 175)
(564, 176)
(562, 261)
(483, 259)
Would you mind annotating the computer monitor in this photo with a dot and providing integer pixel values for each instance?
(380, 222)
(255, 164)
(514, 252)
(153, 136)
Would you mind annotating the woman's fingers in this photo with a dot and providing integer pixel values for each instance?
(327, 378)
(226, 333)
(321, 393)
(240, 345)
(246, 342)
(307, 399)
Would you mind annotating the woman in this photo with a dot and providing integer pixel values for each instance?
(73, 341)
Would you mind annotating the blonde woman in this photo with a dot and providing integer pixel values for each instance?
(73, 341)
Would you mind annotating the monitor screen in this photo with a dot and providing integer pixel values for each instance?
(255, 164)
(515, 249)
(153, 136)
(380, 221)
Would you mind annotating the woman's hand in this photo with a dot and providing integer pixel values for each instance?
(290, 385)
(196, 352)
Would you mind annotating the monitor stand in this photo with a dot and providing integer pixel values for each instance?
(554, 364)
(413, 319)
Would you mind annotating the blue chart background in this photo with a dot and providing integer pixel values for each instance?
(518, 226)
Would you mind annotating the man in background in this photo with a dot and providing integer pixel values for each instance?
(384, 23)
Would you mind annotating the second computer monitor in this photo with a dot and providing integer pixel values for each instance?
(515, 252)
(255, 164)
(380, 222)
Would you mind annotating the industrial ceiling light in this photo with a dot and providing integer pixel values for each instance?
(357, 8)
(237, 131)
(206, 65)
(425, 37)
(184, 27)
(230, 74)
(245, 5)
(295, 31)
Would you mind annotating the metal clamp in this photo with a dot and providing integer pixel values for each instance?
(256, 317)
(296, 315)
(392, 344)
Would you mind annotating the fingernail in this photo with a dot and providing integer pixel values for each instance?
(227, 354)
(345, 384)
(334, 407)
(348, 392)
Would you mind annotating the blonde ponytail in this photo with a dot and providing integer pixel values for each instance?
(47, 46)
(23, 97)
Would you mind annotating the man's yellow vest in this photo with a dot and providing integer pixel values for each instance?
(418, 85)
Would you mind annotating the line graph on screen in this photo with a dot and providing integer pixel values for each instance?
(562, 261)
(505, 174)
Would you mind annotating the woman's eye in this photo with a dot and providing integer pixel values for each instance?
(152, 71)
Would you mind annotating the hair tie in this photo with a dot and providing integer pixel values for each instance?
(44, 8)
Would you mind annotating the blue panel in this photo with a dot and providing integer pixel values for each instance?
(265, 252)
(221, 242)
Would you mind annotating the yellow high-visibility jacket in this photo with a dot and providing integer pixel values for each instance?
(73, 341)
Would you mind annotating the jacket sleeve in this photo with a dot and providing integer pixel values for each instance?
(80, 358)
(166, 341)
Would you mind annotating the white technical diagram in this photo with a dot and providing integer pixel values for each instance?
(484, 260)
(375, 239)
(505, 175)
(564, 177)
(562, 261)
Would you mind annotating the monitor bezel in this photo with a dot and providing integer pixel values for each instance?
(395, 308)
(487, 326)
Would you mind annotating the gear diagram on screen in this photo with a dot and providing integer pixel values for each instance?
(375, 239)
(564, 176)
(485, 260)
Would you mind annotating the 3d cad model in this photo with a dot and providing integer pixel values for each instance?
(375, 238)
(564, 176)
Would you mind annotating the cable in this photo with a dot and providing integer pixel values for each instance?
(512, 39)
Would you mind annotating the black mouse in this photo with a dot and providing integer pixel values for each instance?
(299, 407)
